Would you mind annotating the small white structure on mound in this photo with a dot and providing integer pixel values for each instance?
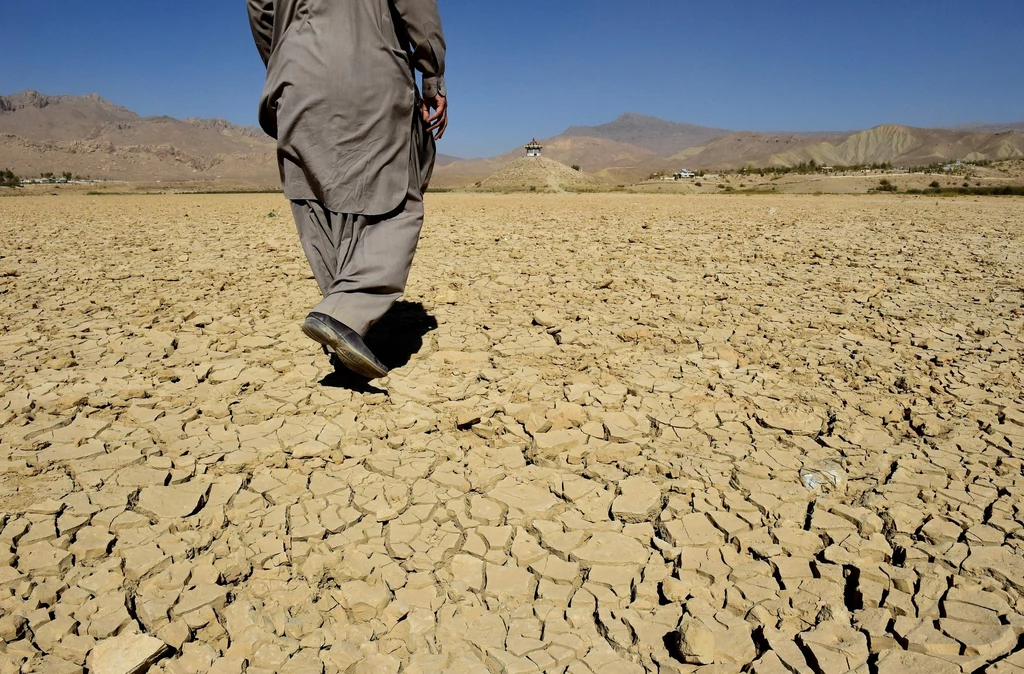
(533, 148)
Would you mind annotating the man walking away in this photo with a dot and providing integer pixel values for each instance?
(355, 146)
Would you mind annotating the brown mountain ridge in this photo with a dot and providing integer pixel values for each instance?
(634, 146)
(90, 136)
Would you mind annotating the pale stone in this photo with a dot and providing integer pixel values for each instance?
(362, 600)
(214, 596)
(1000, 562)
(42, 559)
(126, 654)
(612, 549)
(469, 570)
(639, 500)
(989, 641)
(510, 583)
(836, 647)
(794, 422)
(693, 530)
(696, 643)
(895, 661)
(528, 498)
(91, 543)
(172, 502)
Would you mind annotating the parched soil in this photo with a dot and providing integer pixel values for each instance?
(624, 433)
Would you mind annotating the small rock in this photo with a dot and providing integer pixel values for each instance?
(545, 318)
(696, 643)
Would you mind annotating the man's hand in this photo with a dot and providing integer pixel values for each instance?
(437, 121)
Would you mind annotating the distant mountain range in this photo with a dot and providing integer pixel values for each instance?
(90, 136)
(634, 146)
(651, 133)
(990, 128)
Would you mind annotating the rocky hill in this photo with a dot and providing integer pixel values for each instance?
(899, 145)
(227, 128)
(90, 136)
(36, 116)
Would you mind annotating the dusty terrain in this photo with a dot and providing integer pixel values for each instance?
(596, 453)
(999, 174)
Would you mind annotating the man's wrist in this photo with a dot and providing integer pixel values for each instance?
(434, 86)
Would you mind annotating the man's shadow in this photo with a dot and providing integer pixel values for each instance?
(394, 339)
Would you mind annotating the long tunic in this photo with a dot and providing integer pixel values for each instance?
(340, 96)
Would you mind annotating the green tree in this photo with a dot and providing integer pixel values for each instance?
(9, 179)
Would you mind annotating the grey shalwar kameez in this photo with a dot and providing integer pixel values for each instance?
(354, 154)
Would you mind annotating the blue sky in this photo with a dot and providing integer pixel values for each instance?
(533, 67)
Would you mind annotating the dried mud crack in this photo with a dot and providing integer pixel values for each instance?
(595, 452)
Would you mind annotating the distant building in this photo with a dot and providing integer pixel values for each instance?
(533, 148)
(685, 173)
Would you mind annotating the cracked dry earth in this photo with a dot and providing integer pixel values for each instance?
(592, 456)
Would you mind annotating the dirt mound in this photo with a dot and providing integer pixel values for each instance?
(538, 173)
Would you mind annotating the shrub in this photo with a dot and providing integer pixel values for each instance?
(698, 184)
(885, 186)
(576, 167)
(8, 179)
(934, 184)
(1002, 190)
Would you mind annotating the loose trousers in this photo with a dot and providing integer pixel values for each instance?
(361, 263)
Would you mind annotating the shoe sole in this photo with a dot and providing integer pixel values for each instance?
(348, 356)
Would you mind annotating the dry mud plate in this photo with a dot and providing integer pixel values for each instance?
(591, 456)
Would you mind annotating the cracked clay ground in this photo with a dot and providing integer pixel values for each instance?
(591, 455)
